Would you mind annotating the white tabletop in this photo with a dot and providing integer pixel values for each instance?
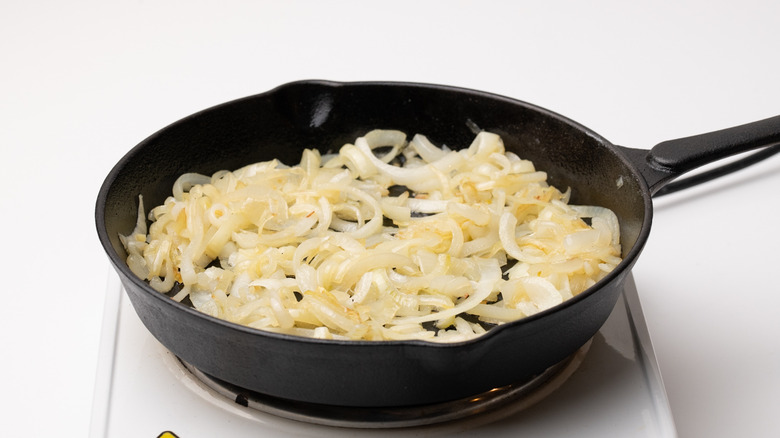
(82, 82)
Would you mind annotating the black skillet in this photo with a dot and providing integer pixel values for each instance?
(325, 115)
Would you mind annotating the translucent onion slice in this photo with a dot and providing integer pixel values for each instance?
(491, 273)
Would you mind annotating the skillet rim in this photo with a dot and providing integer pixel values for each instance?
(620, 270)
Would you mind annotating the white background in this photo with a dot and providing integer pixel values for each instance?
(83, 82)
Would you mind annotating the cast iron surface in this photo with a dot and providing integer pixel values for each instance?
(325, 115)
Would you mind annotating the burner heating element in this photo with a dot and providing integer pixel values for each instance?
(495, 403)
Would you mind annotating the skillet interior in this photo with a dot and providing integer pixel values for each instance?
(324, 115)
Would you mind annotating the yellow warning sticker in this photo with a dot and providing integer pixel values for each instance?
(167, 434)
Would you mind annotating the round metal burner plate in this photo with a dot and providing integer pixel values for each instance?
(498, 402)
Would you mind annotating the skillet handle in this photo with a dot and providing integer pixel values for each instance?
(672, 158)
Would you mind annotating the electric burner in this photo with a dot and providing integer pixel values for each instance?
(610, 387)
(507, 400)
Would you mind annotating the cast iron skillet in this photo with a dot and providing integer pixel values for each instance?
(325, 115)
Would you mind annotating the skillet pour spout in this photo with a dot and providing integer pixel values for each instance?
(281, 122)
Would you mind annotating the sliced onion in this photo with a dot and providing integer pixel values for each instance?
(427, 150)
(323, 250)
(490, 275)
(185, 182)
